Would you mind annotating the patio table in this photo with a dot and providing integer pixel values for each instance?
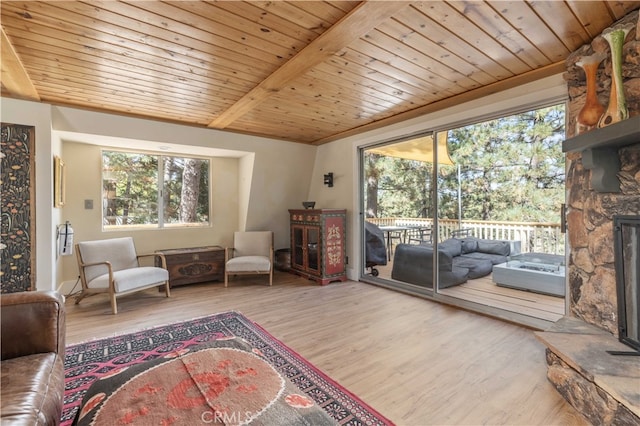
(388, 230)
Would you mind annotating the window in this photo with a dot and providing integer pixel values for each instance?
(145, 190)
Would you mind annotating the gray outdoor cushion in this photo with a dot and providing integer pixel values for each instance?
(469, 245)
(494, 247)
(451, 246)
(477, 267)
(494, 258)
(413, 263)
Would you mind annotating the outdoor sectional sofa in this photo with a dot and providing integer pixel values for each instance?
(460, 259)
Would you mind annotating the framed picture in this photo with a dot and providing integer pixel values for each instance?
(58, 182)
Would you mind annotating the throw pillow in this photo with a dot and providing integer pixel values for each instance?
(451, 246)
(469, 245)
(494, 247)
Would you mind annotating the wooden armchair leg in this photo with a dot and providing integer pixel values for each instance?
(114, 306)
(226, 279)
(81, 296)
(167, 289)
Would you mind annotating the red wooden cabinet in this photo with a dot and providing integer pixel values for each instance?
(318, 239)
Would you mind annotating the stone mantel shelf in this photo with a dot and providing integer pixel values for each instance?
(599, 149)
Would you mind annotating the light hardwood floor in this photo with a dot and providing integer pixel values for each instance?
(415, 361)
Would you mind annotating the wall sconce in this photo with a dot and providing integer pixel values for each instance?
(328, 179)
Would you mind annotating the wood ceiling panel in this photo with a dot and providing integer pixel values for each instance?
(330, 101)
(561, 19)
(353, 92)
(594, 16)
(176, 37)
(416, 62)
(94, 55)
(496, 27)
(265, 45)
(106, 61)
(362, 82)
(621, 8)
(522, 16)
(417, 85)
(431, 51)
(53, 58)
(355, 24)
(342, 64)
(304, 71)
(444, 25)
(273, 22)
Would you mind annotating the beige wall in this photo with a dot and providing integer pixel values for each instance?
(258, 179)
(84, 183)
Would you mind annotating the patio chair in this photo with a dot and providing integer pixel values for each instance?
(462, 232)
(421, 235)
(112, 267)
(252, 253)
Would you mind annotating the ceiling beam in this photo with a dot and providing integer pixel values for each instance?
(361, 20)
(14, 77)
(471, 95)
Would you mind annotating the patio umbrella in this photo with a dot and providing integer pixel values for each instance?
(420, 149)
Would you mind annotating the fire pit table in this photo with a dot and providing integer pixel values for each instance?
(537, 272)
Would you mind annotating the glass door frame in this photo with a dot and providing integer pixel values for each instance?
(390, 283)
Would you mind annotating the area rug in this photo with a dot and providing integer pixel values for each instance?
(100, 360)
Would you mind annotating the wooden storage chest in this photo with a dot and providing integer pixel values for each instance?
(194, 264)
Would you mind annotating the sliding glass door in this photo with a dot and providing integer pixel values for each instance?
(470, 213)
(398, 208)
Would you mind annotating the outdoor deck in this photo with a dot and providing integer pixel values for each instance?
(484, 291)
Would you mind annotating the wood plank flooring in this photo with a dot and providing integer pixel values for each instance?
(415, 361)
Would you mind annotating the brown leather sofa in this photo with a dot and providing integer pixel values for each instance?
(33, 344)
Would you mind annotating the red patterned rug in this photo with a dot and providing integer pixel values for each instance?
(210, 347)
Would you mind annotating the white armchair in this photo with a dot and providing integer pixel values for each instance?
(252, 253)
(111, 266)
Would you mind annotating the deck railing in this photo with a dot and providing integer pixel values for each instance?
(533, 236)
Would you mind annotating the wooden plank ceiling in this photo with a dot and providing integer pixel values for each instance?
(303, 71)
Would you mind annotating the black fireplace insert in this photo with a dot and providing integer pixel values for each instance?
(626, 231)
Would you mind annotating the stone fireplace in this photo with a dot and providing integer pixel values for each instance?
(603, 387)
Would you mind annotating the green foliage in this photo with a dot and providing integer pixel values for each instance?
(511, 169)
(127, 180)
(131, 189)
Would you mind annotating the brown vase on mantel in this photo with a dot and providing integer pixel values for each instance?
(592, 110)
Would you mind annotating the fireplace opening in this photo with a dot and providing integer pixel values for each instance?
(627, 264)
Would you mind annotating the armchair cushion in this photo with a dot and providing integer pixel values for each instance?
(252, 243)
(252, 253)
(129, 279)
(248, 264)
(120, 252)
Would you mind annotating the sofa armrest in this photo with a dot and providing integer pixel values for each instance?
(32, 322)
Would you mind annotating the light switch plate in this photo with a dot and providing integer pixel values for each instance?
(88, 204)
